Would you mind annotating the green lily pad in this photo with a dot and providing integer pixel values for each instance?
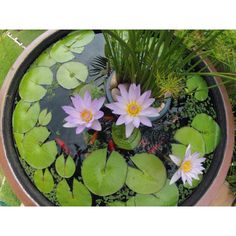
(188, 135)
(45, 59)
(19, 143)
(38, 154)
(60, 53)
(178, 150)
(65, 167)
(197, 84)
(79, 196)
(71, 74)
(104, 176)
(116, 203)
(195, 182)
(44, 180)
(25, 116)
(118, 135)
(45, 117)
(209, 129)
(149, 176)
(40, 75)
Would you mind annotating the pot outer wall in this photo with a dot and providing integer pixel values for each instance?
(29, 194)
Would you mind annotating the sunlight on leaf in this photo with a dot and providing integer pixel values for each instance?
(44, 180)
(45, 117)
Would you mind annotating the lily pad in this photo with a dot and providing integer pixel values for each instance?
(209, 129)
(65, 167)
(38, 154)
(19, 143)
(178, 150)
(44, 180)
(116, 203)
(118, 135)
(79, 196)
(149, 176)
(45, 59)
(25, 116)
(71, 74)
(45, 117)
(104, 176)
(188, 135)
(60, 53)
(198, 85)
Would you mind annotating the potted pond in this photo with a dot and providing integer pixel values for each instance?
(115, 118)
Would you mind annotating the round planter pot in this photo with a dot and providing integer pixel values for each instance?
(31, 196)
(110, 99)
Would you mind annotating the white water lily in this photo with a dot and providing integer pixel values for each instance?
(189, 168)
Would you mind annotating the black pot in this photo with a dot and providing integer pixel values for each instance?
(30, 195)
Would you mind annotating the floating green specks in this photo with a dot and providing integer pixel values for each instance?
(188, 135)
(149, 176)
(79, 196)
(209, 129)
(104, 176)
(30, 88)
(71, 74)
(38, 154)
(45, 59)
(198, 85)
(61, 53)
(44, 180)
(25, 116)
(45, 117)
(65, 167)
(118, 135)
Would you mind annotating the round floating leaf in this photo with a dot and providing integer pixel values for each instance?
(19, 143)
(65, 167)
(45, 117)
(188, 135)
(71, 74)
(44, 180)
(40, 75)
(38, 154)
(209, 129)
(60, 53)
(25, 116)
(79, 196)
(149, 176)
(197, 84)
(178, 150)
(101, 176)
(195, 183)
(116, 203)
(78, 39)
(118, 135)
(45, 60)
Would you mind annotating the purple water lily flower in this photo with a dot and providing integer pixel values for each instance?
(133, 108)
(84, 113)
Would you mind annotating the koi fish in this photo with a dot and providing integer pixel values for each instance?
(62, 145)
(108, 118)
(154, 148)
(111, 145)
(93, 138)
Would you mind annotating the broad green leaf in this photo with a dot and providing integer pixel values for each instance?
(104, 176)
(178, 150)
(38, 154)
(65, 167)
(79, 196)
(71, 74)
(195, 182)
(188, 135)
(19, 143)
(44, 180)
(118, 135)
(45, 117)
(60, 53)
(198, 85)
(116, 203)
(45, 60)
(209, 129)
(25, 116)
(149, 176)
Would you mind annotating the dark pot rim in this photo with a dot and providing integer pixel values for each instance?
(31, 196)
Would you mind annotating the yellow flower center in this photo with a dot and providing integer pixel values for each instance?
(133, 108)
(86, 115)
(186, 166)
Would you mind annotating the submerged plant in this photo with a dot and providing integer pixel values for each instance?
(133, 108)
(189, 168)
(84, 113)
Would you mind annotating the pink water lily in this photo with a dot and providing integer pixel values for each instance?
(133, 108)
(189, 168)
(84, 113)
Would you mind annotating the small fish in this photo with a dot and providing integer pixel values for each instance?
(154, 148)
(93, 138)
(108, 118)
(111, 145)
(63, 146)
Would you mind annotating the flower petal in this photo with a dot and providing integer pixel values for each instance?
(71, 111)
(96, 125)
(79, 129)
(145, 121)
(149, 112)
(175, 177)
(121, 120)
(123, 91)
(77, 102)
(87, 99)
(175, 159)
(98, 115)
(136, 122)
(129, 129)
(97, 103)
(69, 125)
(188, 152)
